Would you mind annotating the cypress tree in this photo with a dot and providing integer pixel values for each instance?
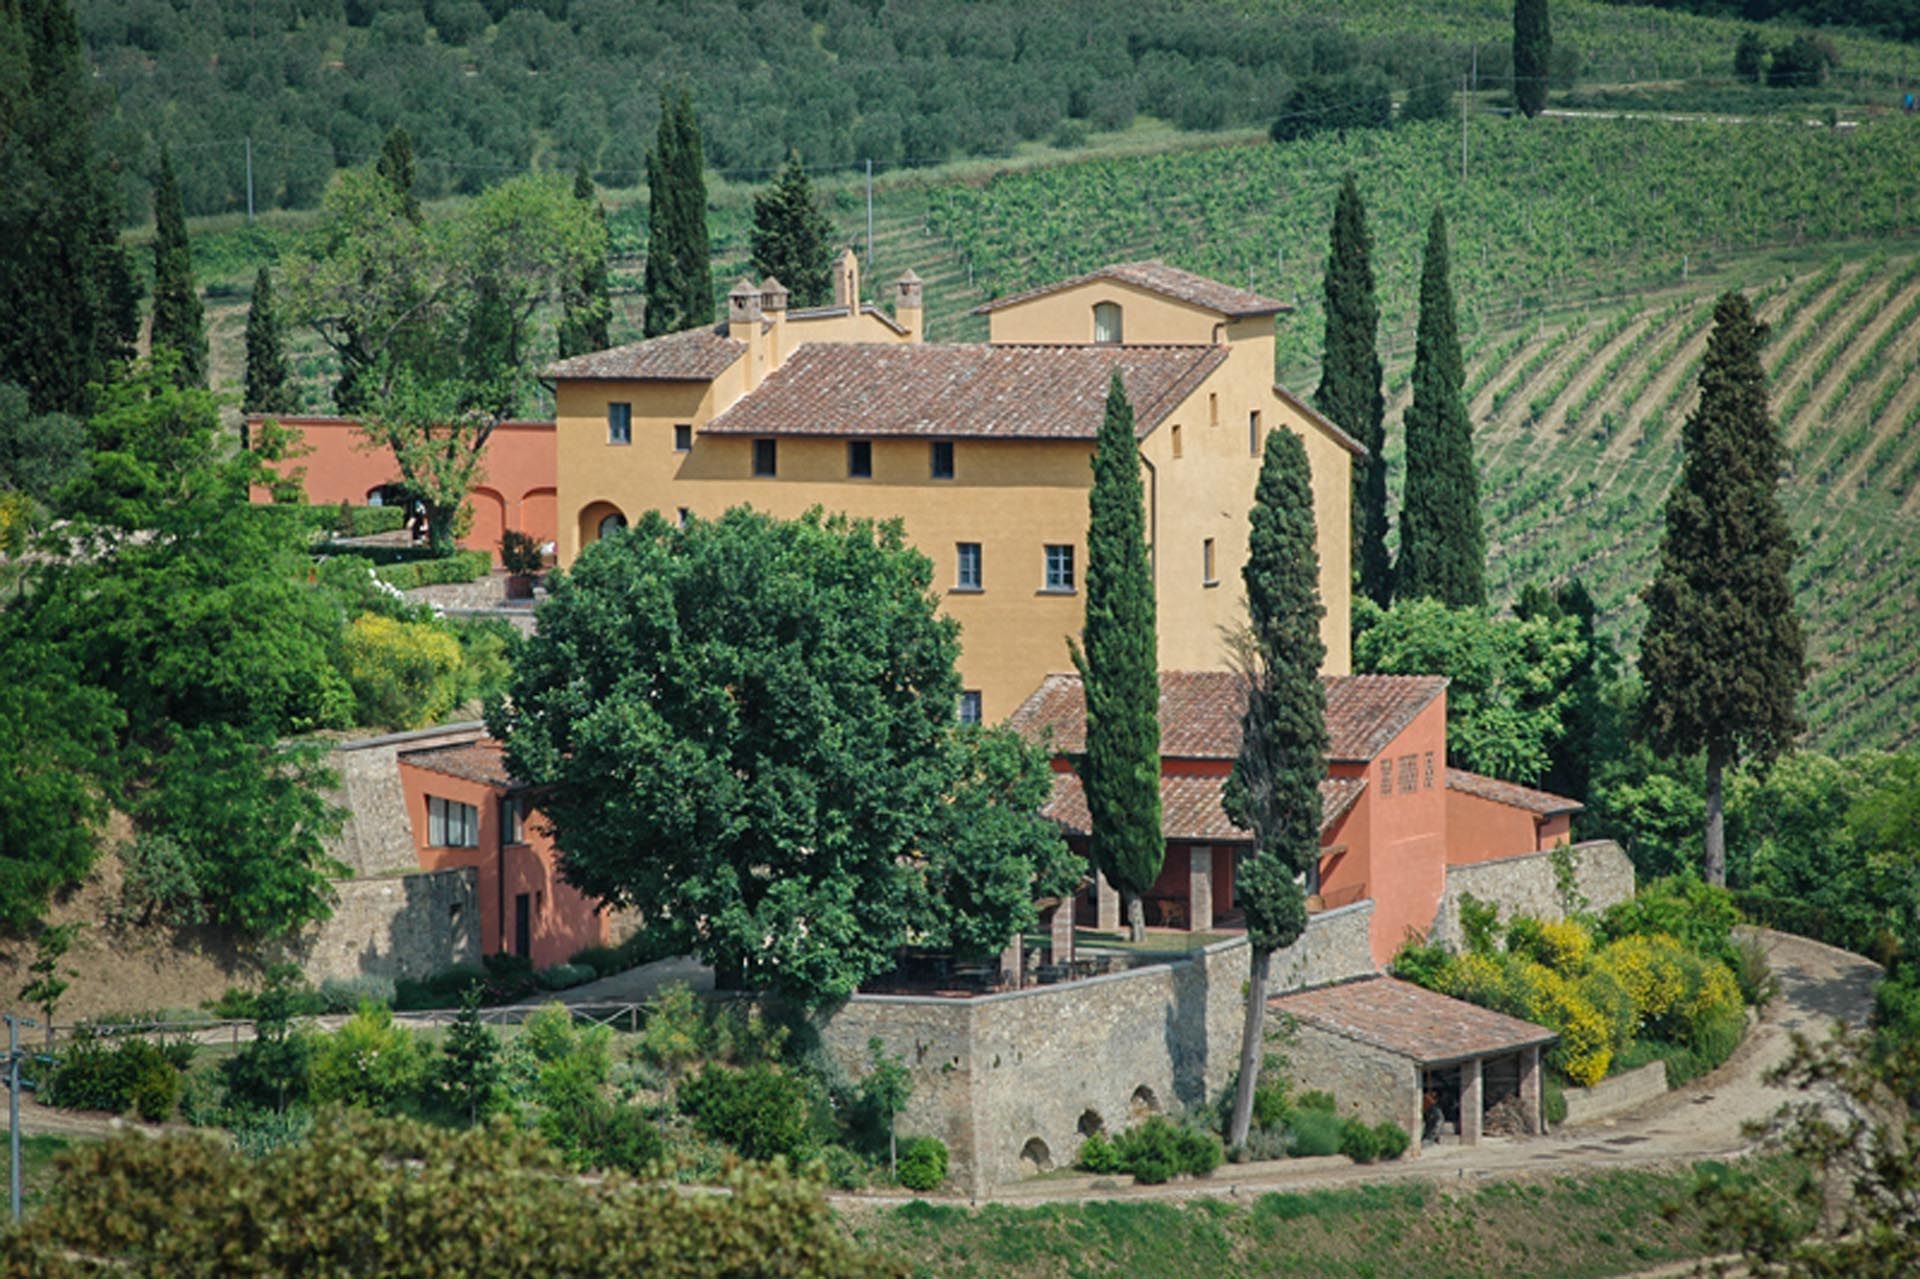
(679, 279)
(792, 239)
(1532, 56)
(1274, 790)
(1723, 656)
(1443, 552)
(1119, 669)
(586, 306)
(267, 388)
(72, 298)
(179, 321)
(396, 166)
(1349, 391)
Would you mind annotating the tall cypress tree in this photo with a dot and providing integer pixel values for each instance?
(1723, 656)
(1120, 669)
(267, 389)
(1350, 385)
(792, 239)
(396, 166)
(1443, 553)
(1274, 790)
(71, 296)
(586, 306)
(679, 280)
(1532, 56)
(179, 321)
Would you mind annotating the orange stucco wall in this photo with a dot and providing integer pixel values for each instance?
(516, 489)
(563, 920)
(1480, 830)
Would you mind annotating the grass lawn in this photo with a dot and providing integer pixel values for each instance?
(36, 1162)
(1569, 1227)
(1171, 941)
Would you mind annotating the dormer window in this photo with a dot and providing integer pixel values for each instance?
(1106, 323)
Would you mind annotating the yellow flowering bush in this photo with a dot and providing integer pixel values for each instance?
(16, 522)
(1585, 1049)
(403, 674)
(1565, 946)
(1653, 970)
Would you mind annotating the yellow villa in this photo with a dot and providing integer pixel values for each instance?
(982, 449)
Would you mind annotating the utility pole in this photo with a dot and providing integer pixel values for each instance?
(1463, 131)
(869, 217)
(249, 178)
(14, 1058)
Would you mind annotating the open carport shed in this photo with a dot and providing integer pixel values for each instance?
(1381, 1046)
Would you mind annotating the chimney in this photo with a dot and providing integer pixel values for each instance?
(906, 305)
(773, 304)
(743, 325)
(846, 281)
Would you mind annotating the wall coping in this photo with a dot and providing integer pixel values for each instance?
(412, 735)
(1521, 857)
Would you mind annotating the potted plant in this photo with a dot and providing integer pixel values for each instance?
(520, 556)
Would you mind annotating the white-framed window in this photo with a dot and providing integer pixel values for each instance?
(1207, 576)
(513, 819)
(968, 711)
(940, 463)
(619, 423)
(966, 567)
(860, 459)
(683, 437)
(1059, 566)
(451, 824)
(1107, 323)
(766, 457)
(1253, 433)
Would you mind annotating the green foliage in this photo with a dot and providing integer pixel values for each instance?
(1508, 693)
(1685, 907)
(884, 1091)
(1315, 1133)
(1443, 551)
(459, 566)
(469, 1072)
(271, 1071)
(923, 1163)
(369, 1062)
(130, 1074)
(761, 1111)
(39, 452)
(179, 321)
(758, 781)
(792, 239)
(1532, 56)
(586, 307)
(520, 554)
(1119, 669)
(1421, 963)
(679, 273)
(563, 976)
(1478, 920)
(1359, 1141)
(403, 674)
(179, 1204)
(1098, 1155)
(1156, 1150)
(266, 379)
(50, 980)
(1349, 391)
(1359, 98)
(1393, 1140)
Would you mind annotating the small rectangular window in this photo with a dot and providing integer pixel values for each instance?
(619, 423)
(969, 710)
(1253, 433)
(943, 459)
(684, 514)
(966, 567)
(1106, 323)
(1207, 575)
(1213, 408)
(766, 457)
(860, 459)
(1176, 439)
(683, 437)
(513, 820)
(1386, 777)
(451, 824)
(1428, 771)
(1409, 779)
(1059, 567)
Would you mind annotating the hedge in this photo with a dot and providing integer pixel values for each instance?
(364, 521)
(461, 566)
(411, 554)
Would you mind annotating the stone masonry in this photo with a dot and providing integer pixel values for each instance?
(395, 926)
(377, 838)
(1529, 885)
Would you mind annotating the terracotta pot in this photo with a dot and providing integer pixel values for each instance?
(520, 586)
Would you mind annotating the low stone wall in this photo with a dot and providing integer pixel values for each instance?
(377, 837)
(395, 926)
(1368, 1082)
(1529, 885)
(1611, 1096)
(1014, 1082)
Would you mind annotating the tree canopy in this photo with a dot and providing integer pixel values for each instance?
(1349, 391)
(1532, 56)
(587, 307)
(679, 274)
(746, 728)
(179, 320)
(267, 388)
(792, 240)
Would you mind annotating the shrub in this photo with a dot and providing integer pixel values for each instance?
(461, 566)
(1553, 1099)
(520, 554)
(1315, 1132)
(1423, 964)
(593, 1132)
(1099, 1155)
(1392, 1138)
(445, 988)
(1317, 1101)
(1200, 1152)
(1157, 1150)
(270, 1072)
(1270, 1105)
(155, 1090)
(1359, 1142)
(159, 884)
(675, 1030)
(259, 1133)
(346, 994)
(1683, 907)
(760, 1111)
(403, 674)
(923, 1163)
(1560, 944)
(563, 976)
(369, 1062)
(94, 1073)
(1753, 973)
(843, 1168)
(1478, 920)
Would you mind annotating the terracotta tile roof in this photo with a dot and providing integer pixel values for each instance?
(1156, 276)
(1409, 1020)
(692, 355)
(1512, 794)
(480, 761)
(965, 390)
(1190, 807)
(1200, 713)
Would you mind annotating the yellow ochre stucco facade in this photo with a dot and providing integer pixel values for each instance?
(1012, 496)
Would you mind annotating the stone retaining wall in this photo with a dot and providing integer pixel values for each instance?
(395, 926)
(1369, 1083)
(377, 837)
(1529, 885)
(1611, 1096)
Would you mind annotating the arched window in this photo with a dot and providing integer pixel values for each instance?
(1106, 323)
(612, 523)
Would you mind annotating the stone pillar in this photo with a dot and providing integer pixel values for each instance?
(1419, 1125)
(1062, 925)
(1530, 1108)
(1107, 900)
(1470, 1102)
(1010, 962)
(1200, 887)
